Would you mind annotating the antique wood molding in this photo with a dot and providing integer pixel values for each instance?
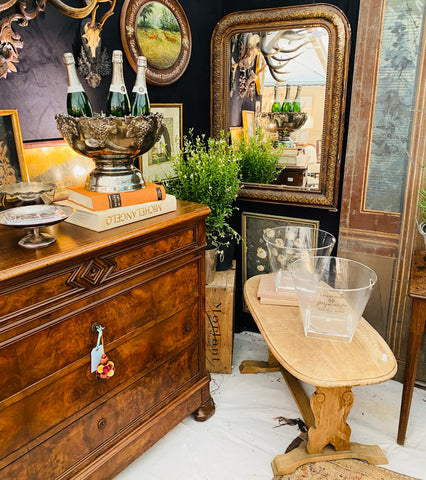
(386, 236)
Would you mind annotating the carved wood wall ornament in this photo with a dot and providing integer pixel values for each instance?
(21, 12)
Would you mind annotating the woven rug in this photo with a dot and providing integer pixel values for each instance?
(342, 470)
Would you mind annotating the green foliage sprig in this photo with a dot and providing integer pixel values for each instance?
(207, 171)
(259, 160)
(422, 198)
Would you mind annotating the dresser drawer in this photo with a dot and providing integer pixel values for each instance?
(68, 337)
(110, 420)
(63, 395)
(49, 290)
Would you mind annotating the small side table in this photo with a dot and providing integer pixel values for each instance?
(417, 291)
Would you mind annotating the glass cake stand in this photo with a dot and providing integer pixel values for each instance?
(34, 217)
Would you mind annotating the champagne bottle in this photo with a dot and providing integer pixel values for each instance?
(296, 102)
(78, 104)
(117, 103)
(287, 101)
(276, 106)
(139, 97)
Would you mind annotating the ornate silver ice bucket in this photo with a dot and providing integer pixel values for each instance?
(283, 123)
(113, 143)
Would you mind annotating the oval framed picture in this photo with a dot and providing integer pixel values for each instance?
(158, 30)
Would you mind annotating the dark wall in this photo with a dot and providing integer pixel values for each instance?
(38, 90)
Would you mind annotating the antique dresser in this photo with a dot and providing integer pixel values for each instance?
(144, 283)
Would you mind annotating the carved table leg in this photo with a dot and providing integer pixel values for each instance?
(330, 408)
(417, 327)
(258, 366)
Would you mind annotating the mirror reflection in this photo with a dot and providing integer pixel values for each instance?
(283, 72)
(283, 75)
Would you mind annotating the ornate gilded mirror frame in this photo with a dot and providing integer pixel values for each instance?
(319, 15)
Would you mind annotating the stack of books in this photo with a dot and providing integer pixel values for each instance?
(288, 156)
(101, 211)
(269, 295)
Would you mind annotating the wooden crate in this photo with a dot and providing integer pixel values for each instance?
(220, 321)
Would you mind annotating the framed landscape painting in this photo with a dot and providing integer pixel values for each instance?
(156, 164)
(158, 30)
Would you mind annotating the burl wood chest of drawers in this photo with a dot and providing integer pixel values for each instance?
(144, 283)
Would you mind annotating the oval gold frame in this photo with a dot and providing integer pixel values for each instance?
(319, 15)
(128, 19)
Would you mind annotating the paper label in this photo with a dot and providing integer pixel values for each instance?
(332, 302)
(96, 355)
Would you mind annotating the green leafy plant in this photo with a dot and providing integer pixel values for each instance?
(207, 171)
(422, 204)
(259, 160)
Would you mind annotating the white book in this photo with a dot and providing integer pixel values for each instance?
(116, 217)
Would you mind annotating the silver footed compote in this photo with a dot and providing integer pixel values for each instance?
(34, 217)
(26, 193)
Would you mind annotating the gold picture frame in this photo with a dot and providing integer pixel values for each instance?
(156, 164)
(158, 30)
(236, 135)
(249, 124)
(12, 165)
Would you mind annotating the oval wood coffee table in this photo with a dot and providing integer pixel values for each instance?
(333, 367)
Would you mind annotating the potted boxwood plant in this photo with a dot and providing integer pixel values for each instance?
(259, 159)
(207, 171)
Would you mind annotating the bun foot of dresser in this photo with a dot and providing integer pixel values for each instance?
(205, 411)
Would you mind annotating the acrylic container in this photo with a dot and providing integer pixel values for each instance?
(332, 293)
(285, 245)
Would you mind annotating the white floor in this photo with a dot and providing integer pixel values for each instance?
(240, 440)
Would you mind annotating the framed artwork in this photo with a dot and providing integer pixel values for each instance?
(249, 125)
(158, 30)
(155, 163)
(255, 254)
(12, 166)
(55, 161)
(236, 135)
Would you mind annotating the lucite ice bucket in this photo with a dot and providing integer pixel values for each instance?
(287, 244)
(332, 293)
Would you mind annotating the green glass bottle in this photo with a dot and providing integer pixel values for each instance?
(296, 102)
(139, 97)
(276, 106)
(287, 101)
(78, 104)
(117, 103)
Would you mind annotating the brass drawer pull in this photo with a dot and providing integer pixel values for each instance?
(102, 423)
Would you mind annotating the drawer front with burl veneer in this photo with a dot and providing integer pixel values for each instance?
(27, 301)
(51, 367)
(104, 428)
